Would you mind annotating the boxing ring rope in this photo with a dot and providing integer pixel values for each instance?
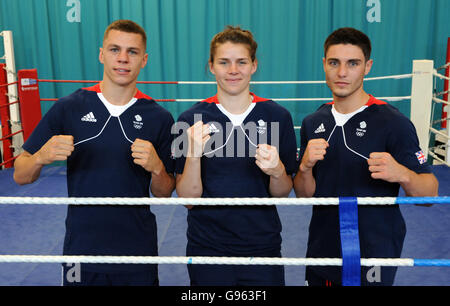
(216, 260)
(443, 67)
(399, 76)
(8, 84)
(274, 99)
(398, 98)
(440, 100)
(10, 135)
(217, 201)
(441, 76)
(445, 121)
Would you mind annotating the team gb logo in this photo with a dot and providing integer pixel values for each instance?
(137, 123)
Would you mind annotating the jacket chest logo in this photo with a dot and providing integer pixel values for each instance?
(361, 131)
(261, 128)
(137, 122)
(89, 117)
(320, 129)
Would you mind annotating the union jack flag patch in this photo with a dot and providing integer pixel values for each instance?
(421, 157)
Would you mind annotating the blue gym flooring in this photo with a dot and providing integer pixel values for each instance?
(39, 229)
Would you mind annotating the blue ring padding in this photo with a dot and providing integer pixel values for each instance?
(351, 256)
(432, 262)
(422, 200)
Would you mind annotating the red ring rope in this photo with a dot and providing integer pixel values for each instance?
(86, 81)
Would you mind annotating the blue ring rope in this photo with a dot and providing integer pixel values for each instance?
(422, 200)
(431, 262)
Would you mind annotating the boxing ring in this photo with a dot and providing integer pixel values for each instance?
(169, 211)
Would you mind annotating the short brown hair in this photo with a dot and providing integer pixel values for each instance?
(349, 36)
(235, 35)
(128, 26)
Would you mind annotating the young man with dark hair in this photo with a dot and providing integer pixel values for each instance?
(357, 146)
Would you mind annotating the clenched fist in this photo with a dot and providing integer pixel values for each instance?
(383, 166)
(315, 151)
(144, 154)
(57, 148)
(198, 135)
(268, 160)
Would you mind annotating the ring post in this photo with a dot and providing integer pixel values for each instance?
(446, 108)
(421, 98)
(5, 120)
(11, 76)
(446, 87)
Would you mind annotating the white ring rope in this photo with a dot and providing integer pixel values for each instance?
(435, 121)
(189, 201)
(443, 67)
(398, 76)
(201, 260)
(442, 77)
(399, 98)
(439, 133)
(441, 146)
(437, 100)
(442, 93)
(212, 201)
(436, 157)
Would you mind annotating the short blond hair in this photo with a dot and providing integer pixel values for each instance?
(128, 26)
